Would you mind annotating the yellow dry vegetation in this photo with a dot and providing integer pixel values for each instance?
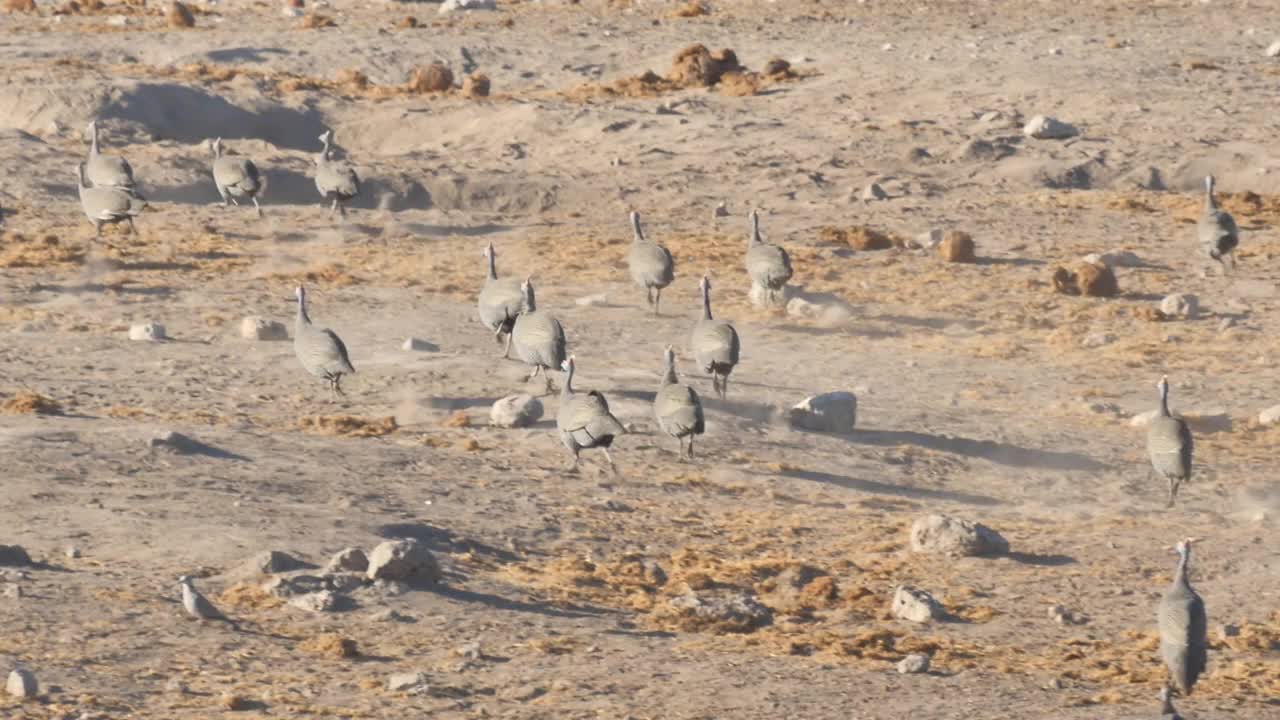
(349, 425)
(25, 402)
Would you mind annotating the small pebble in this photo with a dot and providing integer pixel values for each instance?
(151, 331)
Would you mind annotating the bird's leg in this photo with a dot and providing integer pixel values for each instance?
(257, 207)
(1173, 492)
(97, 230)
(506, 348)
(333, 207)
(648, 295)
(612, 468)
(657, 299)
(724, 387)
(132, 230)
(573, 466)
(342, 210)
(337, 384)
(691, 436)
(551, 387)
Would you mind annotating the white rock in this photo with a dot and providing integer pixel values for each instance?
(829, 412)
(146, 331)
(1181, 305)
(403, 560)
(1274, 49)
(414, 344)
(259, 328)
(515, 411)
(350, 559)
(22, 683)
(1115, 259)
(1142, 420)
(1055, 51)
(406, 681)
(914, 663)
(931, 239)
(449, 6)
(942, 534)
(1043, 127)
(316, 602)
(1097, 339)
(887, 47)
(118, 20)
(1270, 416)
(915, 605)
(874, 192)
(592, 300)
(292, 12)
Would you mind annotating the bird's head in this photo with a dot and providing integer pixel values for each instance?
(184, 580)
(705, 283)
(299, 293)
(1209, 182)
(567, 365)
(488, 250)
(326, 136)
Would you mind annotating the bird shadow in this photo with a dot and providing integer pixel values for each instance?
(183, 445)
(1050, 560)
(442, 541)
(1014, 262)
(459, 403)
(873, 486)
(157, 291)
(1143, 297)
(997, 452)
(497, 602)
(243, 54)
(418, 228)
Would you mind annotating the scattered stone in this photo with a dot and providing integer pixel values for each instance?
(1097, 339)
(1273, 50)
(151, 331)
(1115, 259)
(931, 239)
(260, 328)
(175, 685)
(449, 6)
(1229, 630)
(22, 683)
(414, 344)
(292, 12)
(403, 560)
(915, 605)
(1043, 127)
(834, 412)
(436, 77)
(406, 681)
(1055, 684)
(874, 192)
(118, 20)
(1086, 278)
(469, 651)
(942, 534)
(344, 582)
(957, 247)
(592, 300)
(1226, 324)
(1142, 420)
(390, 616)
(777, 66)
(71, 552)
(13, 591)
(179, 16)
(1061, 615)
(177, 442)
(1270, 416)
(14, 556)
(350, 559)
(233, 702)
(524, 693)
(914, 663)
(720, 211)
(293, 585)
(266, 563)
(984, 150)
(515, 411)
(1181, 305)
(801, 308)
(736, 612)
(316, 602)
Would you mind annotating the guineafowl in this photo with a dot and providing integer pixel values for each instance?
(499, 302)
(320, 350)
(651, 264)
(768, 265)
(537, 336)
(1183, 627)
(1169, 444)
(335, 179)
(1167, 710)
(107, 205)
(1217, 230)
(236, 178)
(715, 344)
(584, 420)
(678, 407)
(104, 171)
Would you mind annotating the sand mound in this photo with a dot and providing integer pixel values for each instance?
(351, 425)
(20, 251)
(435, 77)
(331, 645)
(859, 237)
(25, 402)
(1091, 279)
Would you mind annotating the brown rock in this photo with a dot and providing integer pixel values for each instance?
(957, 247)
(476, 85)
(1086, 278)
(436, 77)
(179, 16)
(407, 22)
(777, 66)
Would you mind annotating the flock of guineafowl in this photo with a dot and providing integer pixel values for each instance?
(507, 307)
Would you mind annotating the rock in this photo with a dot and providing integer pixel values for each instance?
(22, 683)
(1142, 420)
(403, 560)
(406, 681)
(592, 300)
(1097, 339)
(260, 328)
(118, 20)
(71, 552)
(316, 602)
(476, 85)
(469, 651)
(1270, 416)
(1043, 127)
(344, 582)
(915, 605)
(798, 307)
(736, 612)
(1181, 305)
(984, 150)
(1273, 50)
(151, 331)
(350, 559)
(931, 239)
(914, 663)
(292, 12)
(834, 412)
(1115, 259)
(13, 591)
(1226, 324)
(515, 411)
(294, 585)
(942, 534)
(720, 211)
(449, 6)
(414, 344)
(523, 693)
(957, 247)
(175, 685)
(391, 616)
(874, 192)
(1229, 630)
(14, 556)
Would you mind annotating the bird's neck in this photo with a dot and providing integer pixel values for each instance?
(1164, 402)
(303, 319)
(93, 142)
(567, 390)
(669, 377)
(706, 304)
(493, 267)
(529, 304)
(1180, 578)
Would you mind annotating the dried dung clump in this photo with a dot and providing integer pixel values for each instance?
(233, 702)
(407, 22)
(476, 85)
(858, 237)
(20, 251)
(1086, 278)
(693, 8)
(332, 645)
(777, 66)
(179, 16)
(350, 425)
(957, 247)
(457, 419)
(249, 596)
(314, 21)
(436, 77)
(696, 66)
(13, 6)
(25, 402)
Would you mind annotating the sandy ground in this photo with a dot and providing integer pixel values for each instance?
(977, 397)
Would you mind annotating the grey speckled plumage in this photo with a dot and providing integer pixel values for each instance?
(320, 350)
(236, 178)
(103, 171)
(1183, 627)
(1217, 230)
(107, 205)
(678, 407)
(715, 344)
(768, 265)
(651, 264)
(1167, 710)
(1169, 444)
(584, 420)
(499, 302)
(335, 179)
(537, 336)
(197, 605)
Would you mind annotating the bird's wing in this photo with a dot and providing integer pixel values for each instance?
(340, 349)
(1197, 630)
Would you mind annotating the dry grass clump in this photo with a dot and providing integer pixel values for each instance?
(1198, 64)
(314, 21)
(693, 67)
(333, 275)
(25, 402)
(1086, 278)
(21, 251)
(23, 6)
(859, 237)
(476, 85)
(353, 79)
(692, 8)
(957, 247)
(249, 596)
(233, 702)
(350, 425)
(436, 77)
(407, 22)
(457, 419)
(331, 645)
(696, 66)
(179, 16)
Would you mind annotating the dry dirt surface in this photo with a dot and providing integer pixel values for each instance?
(983, 393)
